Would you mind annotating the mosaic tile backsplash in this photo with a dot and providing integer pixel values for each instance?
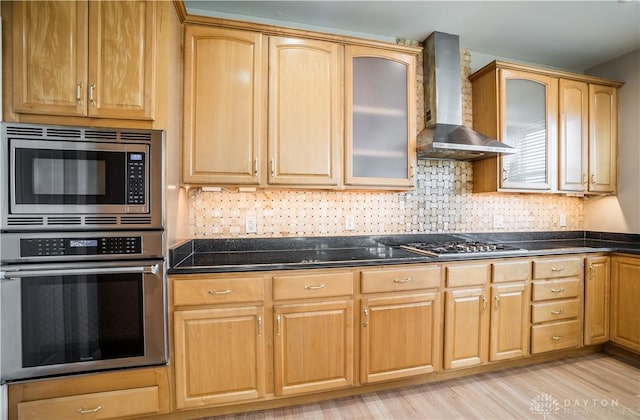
(441, 202)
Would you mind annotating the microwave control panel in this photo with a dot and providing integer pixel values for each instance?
(136, 178)
(45, 247)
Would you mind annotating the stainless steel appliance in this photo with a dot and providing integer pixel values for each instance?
(81, 301)
(465, 248)
(78, 178)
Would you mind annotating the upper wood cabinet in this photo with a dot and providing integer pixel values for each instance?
(380, 122)
(563, 125)
(90, 59)
(225, 94)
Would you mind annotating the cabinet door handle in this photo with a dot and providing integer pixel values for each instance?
(79, 93)
(496, 302)
(92, 99)
(278, 324)
(557, 312)
(557, 290)
(584, 179)
(505, 175)
(592, 270)
(273, 167)
(484, 303)
(365, 323)
(558, 269)
(315, 287)
(407, 280)
(593, 179)
(259, 326)
(412, 172)
(89, 410)
(219, 292)
(557, 337)
(255, 167)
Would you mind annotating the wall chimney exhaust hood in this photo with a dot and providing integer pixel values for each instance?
(444, 136)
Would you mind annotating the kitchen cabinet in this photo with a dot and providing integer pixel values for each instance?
(400, 323)
(588, 137)
(84, 58)
(563, 125)
(556, 308)
(108, 395)
(625, 295)
(219, 339)
(380, 127)
(313, 339)
(261, 110)
(596, 299)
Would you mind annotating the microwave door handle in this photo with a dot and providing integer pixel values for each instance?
(152, 269)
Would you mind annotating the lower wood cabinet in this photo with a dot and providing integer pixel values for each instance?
(625, 308)
(219, 355)
(509, 330)
(596, 299)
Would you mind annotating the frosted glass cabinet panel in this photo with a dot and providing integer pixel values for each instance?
(380, 124)
(530, 125)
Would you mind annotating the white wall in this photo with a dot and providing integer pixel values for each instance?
(621, 213)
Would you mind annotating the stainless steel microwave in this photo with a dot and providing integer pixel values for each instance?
(79, 178)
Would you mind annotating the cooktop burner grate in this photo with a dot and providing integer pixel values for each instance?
(460, 247)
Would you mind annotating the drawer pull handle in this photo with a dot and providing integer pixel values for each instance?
(407, 280)
(557, 290)
(316, 287)
(92, 98)
(558, 312)
(557, 337)
(79, 93)
(557, 269)
(90, 410)
(219, 292)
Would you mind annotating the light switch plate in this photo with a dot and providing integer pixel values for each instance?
(498, 221)
(251, 224)
(350, 222)
(563, 220)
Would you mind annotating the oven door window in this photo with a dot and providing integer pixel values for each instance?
(54, 176)
(79, 318)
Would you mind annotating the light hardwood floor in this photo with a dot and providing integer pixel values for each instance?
(594, 386)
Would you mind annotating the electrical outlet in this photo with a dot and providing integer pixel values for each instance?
(251, 224)
(563, 220)
(350, 222)
(498, 221)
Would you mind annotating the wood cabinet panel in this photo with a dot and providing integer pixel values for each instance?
(625, 311)
(467, 275)
(219, 355)
(509, 321)
(603, 138)
(207, 291)
(399, 336)
(557, 267)
(313, 346)
(573, 127)
(555, 336)
(511, 271)
(304, 286)
(556, 289)
(555, 310)
(399, 279)
(466, 338)
(597, 283)
(225, 94)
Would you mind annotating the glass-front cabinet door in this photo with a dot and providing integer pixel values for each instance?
(380, 117)
(529, 107)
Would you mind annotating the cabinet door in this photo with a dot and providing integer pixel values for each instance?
(528, 111)
(509, 321)
(49, 57)
(122, 59)
(399, 336)
(625, 311)
(305, 111)
(466, 330)
(224, 106)
(603, 138)
(574, 134)
(380, 117)
(313, 346)
(596, 300)
(219, 356)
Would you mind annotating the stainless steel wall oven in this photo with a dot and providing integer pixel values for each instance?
(79, 292)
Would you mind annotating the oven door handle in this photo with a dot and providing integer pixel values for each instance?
(151, 269)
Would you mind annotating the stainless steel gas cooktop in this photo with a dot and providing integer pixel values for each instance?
(438, 249)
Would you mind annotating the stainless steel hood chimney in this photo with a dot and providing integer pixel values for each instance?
(445, 137)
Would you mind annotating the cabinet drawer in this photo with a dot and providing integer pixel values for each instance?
(376, 281)
(557, 267)
(555, 310)
(100, 405)
(313, 285)
(467, 275)
(511, 271)
(555, 289)
(212, 291)
(555, 336)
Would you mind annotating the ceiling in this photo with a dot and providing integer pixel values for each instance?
(571, 35)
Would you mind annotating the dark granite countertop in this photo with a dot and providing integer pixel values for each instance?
(261, 254)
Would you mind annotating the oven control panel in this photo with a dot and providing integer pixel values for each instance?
(135, 178)
(46, 247)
